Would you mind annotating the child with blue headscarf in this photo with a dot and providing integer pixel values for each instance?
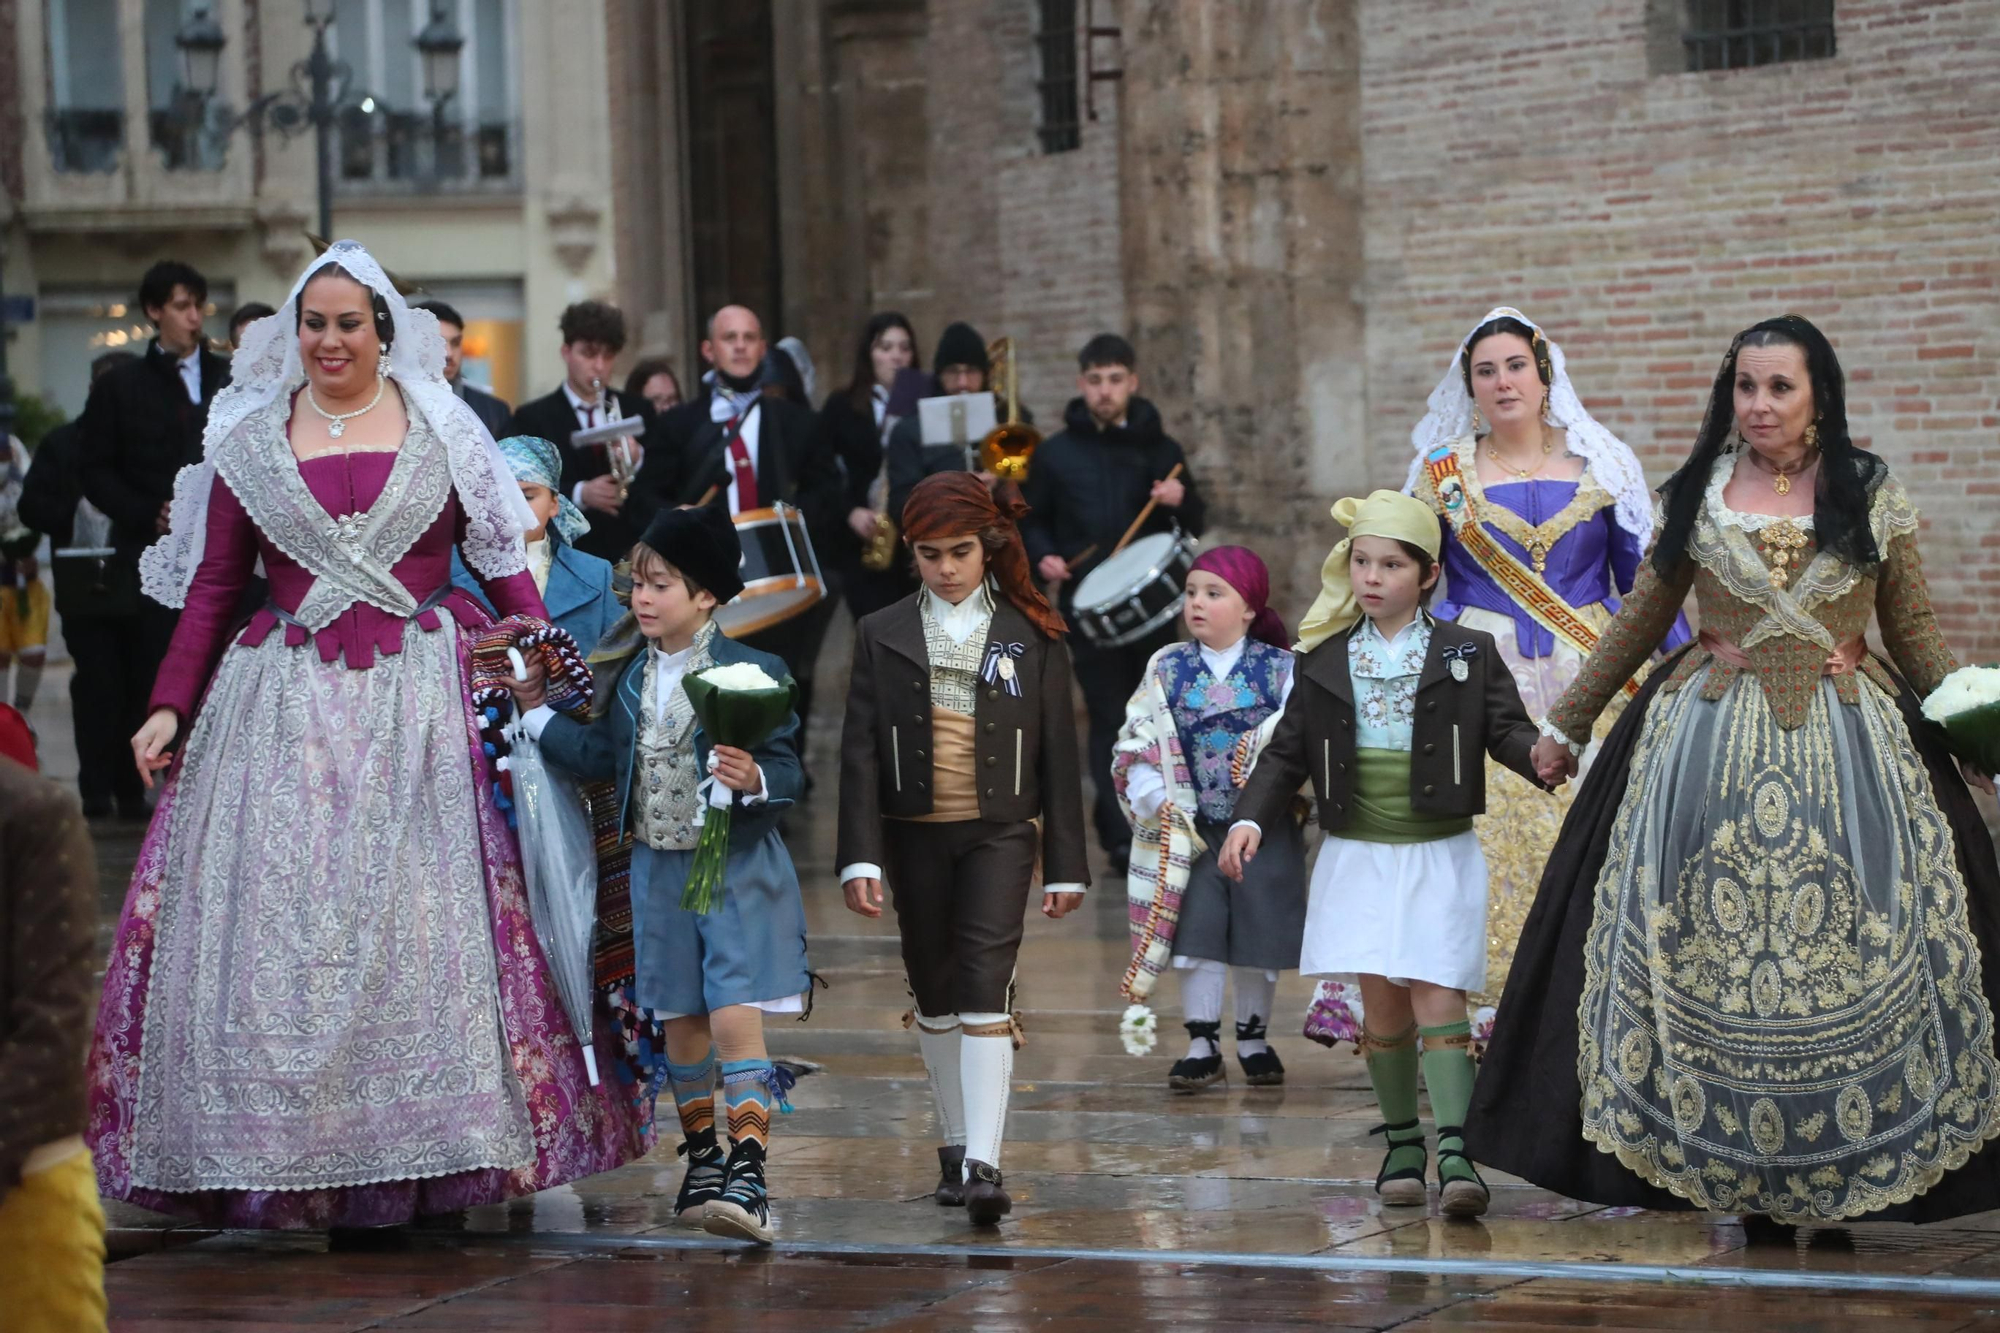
(575, 587)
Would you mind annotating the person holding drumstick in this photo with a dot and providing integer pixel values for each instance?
(1086, 485)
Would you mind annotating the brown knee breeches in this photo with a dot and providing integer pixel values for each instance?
(961, 892)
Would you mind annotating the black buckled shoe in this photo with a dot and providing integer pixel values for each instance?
(1400, 1182)
(743, 1212)
(986, 1202)
(951, 1176)
(707, 1173)
(1462, 1193)
(1198, 1071)
(1261, 1069)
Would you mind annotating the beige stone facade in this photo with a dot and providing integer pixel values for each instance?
(516, 221)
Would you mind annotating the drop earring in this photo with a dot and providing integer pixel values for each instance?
(1812, 435)
(1477, 424)
(382, 365)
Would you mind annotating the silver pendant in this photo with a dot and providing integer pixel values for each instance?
(336, 428)
(1459, 670)
(1006, 668)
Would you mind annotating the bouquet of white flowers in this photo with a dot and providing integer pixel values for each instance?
(737, 705)
(1967, 705)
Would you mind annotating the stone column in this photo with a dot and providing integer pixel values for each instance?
(1240, 191)
(855, 181)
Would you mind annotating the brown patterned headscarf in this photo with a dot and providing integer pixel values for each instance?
(957, 504)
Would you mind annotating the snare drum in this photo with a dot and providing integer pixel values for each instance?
(781, 576)
(1135, 591)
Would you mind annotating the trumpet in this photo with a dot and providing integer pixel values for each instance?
(878, 552)
(1010, 446)
(617, 453)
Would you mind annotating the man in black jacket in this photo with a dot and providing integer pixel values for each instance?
(91, 596)
(493, 412)
(141, 425)
(1086, 485)
(593, 336)
(735, 446)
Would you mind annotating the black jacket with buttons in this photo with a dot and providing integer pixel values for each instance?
(1457, 724)
(1025, 747)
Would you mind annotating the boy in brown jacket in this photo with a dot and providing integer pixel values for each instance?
(960, 734)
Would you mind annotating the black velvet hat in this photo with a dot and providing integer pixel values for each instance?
(702, 544)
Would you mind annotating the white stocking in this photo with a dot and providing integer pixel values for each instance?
(986, 1072)
(1201, 1001)
(939, 1040)
(1256, 993)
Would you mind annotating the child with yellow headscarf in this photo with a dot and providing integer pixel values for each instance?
(1390, 719)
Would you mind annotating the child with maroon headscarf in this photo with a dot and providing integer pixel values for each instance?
(960, 735)
(1192, 730)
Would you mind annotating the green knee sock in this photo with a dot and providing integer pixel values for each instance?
(1448, 1071)
(1392, 1068)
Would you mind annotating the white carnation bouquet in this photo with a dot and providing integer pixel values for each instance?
(739, 705)
(1967, 705)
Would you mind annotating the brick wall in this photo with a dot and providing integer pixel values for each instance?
(1024, 243)
(1529, 158)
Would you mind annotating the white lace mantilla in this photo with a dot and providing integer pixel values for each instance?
(241, 446)
(1612, 463)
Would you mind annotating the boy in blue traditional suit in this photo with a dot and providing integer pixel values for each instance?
(709, 976)
(575, 586)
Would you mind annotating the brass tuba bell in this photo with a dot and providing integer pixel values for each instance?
(1009, 446)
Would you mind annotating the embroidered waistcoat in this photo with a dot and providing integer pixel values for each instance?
(665, 775)
(1212, 715)
(954, 666)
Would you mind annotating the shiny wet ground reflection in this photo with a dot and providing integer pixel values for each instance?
(1100, 1156)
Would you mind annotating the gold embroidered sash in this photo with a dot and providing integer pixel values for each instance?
(1530, 591)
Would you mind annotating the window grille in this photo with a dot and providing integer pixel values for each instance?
(1739, 34)
(1061, 129)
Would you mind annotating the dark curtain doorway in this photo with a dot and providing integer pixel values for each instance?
(732, 161)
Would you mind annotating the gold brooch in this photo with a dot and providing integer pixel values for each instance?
(1784, 543)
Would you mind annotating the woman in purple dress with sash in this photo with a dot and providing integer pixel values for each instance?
(1546, 516)
(325, 1006)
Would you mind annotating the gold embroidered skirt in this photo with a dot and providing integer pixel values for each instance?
(1782, 1007)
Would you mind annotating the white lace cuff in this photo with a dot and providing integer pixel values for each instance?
(1549, 729)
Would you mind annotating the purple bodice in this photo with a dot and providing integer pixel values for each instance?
(343, 484)
(1593, 563)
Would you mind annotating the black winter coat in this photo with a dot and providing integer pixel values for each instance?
(1087, 484)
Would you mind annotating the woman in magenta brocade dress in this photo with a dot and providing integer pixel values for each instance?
(325, 1006)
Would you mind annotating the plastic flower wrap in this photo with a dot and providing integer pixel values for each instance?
(1967, 705)
(1139, 1029)
(738, 705)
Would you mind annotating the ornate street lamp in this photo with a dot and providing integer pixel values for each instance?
(439, 44)
(201, 41)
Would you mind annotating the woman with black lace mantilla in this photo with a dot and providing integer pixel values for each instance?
(1753, 979)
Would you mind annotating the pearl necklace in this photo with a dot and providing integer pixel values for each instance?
(336, 422)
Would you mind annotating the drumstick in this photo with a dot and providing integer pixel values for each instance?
(707, 497)
(1082, 555)
(1144, 514)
